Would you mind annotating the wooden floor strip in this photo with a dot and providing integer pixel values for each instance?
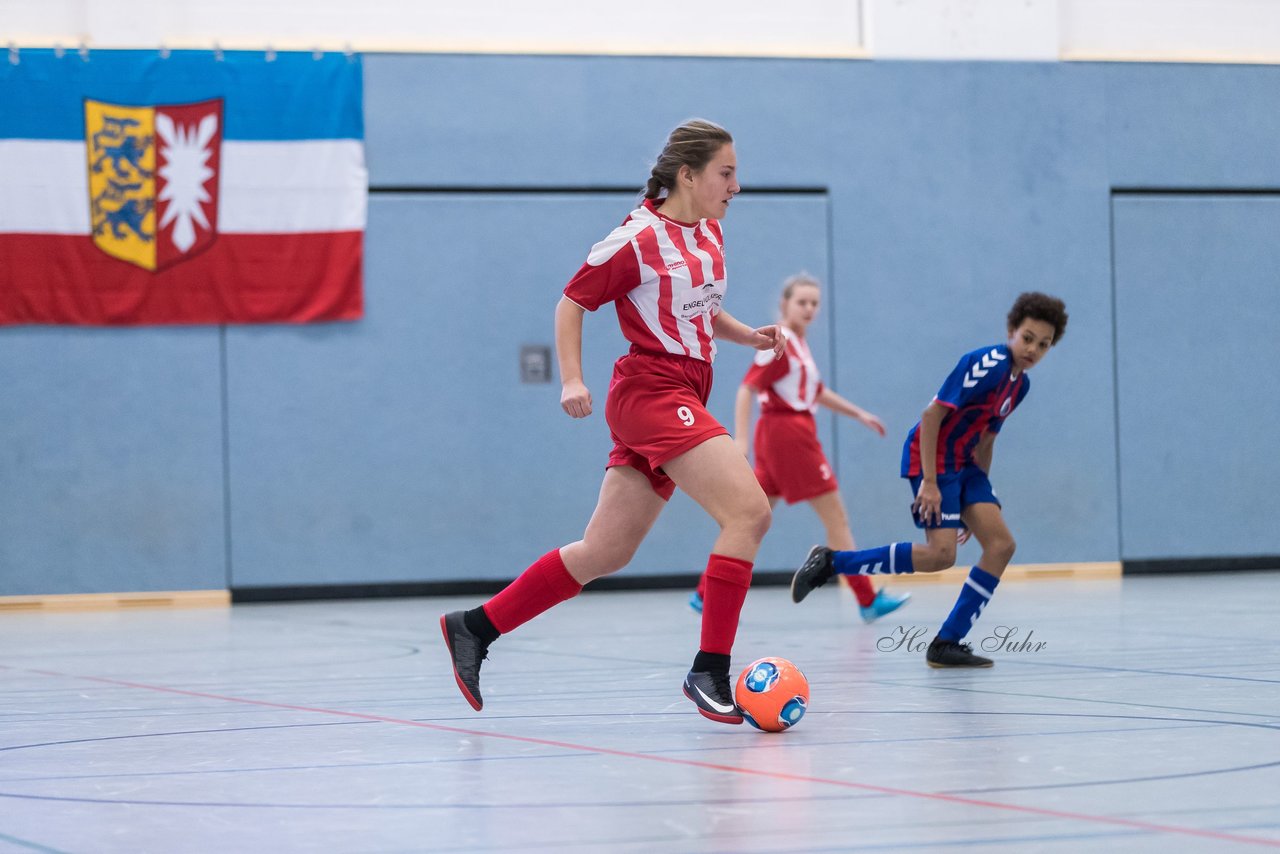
(105, 601)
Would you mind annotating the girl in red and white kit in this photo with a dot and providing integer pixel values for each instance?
(790, 464)
(663, 269)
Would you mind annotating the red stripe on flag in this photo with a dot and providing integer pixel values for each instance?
(240, 278)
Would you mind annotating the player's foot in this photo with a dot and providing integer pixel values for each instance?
(884, 603)
(695, 601)
(816, 571)
(467, 652)
(944, 653)
(713, 695)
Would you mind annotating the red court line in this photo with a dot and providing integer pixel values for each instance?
(692, 763)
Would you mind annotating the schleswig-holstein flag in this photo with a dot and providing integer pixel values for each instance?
(190, 187)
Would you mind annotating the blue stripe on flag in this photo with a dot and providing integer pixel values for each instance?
(295, 96)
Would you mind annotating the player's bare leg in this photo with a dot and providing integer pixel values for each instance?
(937, 553)
(625, 513)
(695, 599)
(835, 519)
(717, 477)
(986, 522)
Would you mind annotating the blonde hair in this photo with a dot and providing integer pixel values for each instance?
(798, 280)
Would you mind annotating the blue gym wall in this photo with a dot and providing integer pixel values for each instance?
(404, 448)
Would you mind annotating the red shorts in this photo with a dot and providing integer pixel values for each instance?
(789, 458)
(656, 411)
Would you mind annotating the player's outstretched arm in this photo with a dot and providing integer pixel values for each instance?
(833, 401)
(575, 399)
(761, 338)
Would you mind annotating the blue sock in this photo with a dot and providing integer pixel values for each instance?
(974, 596)
(893, 559)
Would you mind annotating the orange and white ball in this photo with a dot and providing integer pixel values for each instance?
(772, 694)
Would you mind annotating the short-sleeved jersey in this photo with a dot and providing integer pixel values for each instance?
(980, 392)
(665, 278)
(789, 384)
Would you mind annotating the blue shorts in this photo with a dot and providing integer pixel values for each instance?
(959, 489)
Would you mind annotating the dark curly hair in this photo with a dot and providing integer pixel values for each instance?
(1038, 306)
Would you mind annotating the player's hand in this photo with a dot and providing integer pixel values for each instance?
(874, 424)
(928, 503)
(575, 399)
(770, 338)
(962, 536)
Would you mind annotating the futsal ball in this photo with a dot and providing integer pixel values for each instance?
(772, 694)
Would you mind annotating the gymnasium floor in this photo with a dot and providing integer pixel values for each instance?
(1149, 721)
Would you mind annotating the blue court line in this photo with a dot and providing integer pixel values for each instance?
(408, 652)
(34, 846)
(426, 762)
(183, 732)
(1186, 775)
(731, 769)
(899, 684)
(970, 842)
(437, 807)
(1105, 669)
(523, 757)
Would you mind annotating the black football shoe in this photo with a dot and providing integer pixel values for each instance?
(467, 652)
(816, 571)
(713, 695)
(944, 653)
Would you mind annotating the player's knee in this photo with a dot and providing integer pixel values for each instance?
(1004, 548)
(602, 560)
(762, 517)
(940, 556)
(754, 518)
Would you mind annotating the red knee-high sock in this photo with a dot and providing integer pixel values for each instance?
(702, 585)
(727, 580)
(539, 588)
(862, 588)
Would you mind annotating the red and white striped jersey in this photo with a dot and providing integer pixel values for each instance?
(789, 384)
(665, 278)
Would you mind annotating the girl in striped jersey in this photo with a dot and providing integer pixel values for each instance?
(663, 270)
(790, 463)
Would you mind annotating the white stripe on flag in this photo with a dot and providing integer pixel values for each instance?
(264, 187)
(45, 185)
(274, 187)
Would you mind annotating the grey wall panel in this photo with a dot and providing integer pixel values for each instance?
(111, 464)
(1197, 297)
(965, 185)
(1192, 125)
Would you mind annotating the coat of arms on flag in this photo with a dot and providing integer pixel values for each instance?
(153, 179)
